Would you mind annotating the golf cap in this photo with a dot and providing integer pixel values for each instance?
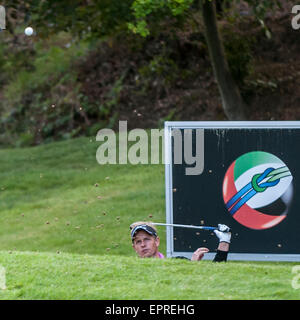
(143, 227)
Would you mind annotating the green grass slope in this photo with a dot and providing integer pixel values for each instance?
(64, 234)
(56, 197)
(32, 275)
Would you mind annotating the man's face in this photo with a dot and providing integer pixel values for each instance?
(145, 245)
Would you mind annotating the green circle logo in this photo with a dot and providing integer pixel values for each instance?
(258, 190)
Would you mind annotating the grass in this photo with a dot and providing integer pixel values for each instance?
(49, 201)
(36, 275)
(65, 234)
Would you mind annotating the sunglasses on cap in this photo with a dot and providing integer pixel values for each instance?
(145, 228)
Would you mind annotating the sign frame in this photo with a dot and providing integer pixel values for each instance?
(171, 125)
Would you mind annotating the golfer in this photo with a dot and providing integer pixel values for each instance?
(145, 242)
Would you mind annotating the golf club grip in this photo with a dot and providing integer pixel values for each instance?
(215, 228)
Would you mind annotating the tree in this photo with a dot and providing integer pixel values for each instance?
(51, 102)
(93, 18)
(232, 102)
(99, 18)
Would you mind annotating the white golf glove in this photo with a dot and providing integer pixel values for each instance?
(223, 233)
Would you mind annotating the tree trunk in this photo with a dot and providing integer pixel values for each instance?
(233, 104)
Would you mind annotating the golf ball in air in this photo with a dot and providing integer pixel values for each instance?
(28, 31)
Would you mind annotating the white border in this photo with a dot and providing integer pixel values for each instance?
(169, 191)
(169, 125)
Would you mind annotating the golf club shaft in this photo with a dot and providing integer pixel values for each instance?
(184, 226)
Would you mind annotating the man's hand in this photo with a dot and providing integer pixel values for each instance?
(223, 233)
(199, 253)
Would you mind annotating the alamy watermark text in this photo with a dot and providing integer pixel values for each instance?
(137, 146)
(296, 19)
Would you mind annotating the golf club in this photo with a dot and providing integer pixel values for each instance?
(184, 226)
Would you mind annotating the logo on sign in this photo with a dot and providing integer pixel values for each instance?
(258, 190)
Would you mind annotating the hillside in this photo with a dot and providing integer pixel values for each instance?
(62, 87)
(64, 219)
(56, 197)
(171, 78)
(65, 234)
